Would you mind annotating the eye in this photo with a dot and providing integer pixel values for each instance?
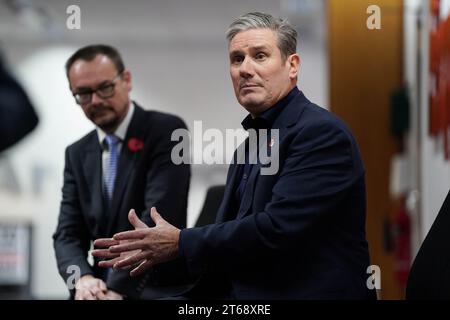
(106, 88)
(260, 56)
(84, 94)
(237, 59)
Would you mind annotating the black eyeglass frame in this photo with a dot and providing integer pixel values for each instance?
(108, 91)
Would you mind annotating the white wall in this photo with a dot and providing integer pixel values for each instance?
(412, 156)
(430, 170)
(177, 54)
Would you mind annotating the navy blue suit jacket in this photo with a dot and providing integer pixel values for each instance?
(297, 234)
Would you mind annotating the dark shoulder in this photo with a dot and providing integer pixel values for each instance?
(84, 141)
(164, 120)
(316, 119)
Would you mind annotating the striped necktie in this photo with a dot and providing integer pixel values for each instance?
(111, 167)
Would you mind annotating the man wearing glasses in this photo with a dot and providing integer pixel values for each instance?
(124, 163)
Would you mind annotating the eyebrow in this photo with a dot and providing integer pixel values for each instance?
(104, 82)
(235, 52)
(256, 48)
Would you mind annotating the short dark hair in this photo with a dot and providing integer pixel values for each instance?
(89, 53)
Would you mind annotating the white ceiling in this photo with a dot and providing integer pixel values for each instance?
(155, 20)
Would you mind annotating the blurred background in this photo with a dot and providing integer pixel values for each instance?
(382, 82)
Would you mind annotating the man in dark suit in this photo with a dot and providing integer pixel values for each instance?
(124, 163)
(17, 115)
(297, 233)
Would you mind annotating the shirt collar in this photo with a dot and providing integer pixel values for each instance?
(121, 130)
(266, 119)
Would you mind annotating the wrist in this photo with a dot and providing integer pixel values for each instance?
(84, 277)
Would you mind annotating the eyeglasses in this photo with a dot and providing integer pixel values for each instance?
(104, 91)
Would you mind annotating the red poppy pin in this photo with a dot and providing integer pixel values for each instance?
(135, 144)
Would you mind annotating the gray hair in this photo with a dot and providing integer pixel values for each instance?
(286, 34)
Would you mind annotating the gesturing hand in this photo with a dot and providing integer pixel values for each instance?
(140, 248)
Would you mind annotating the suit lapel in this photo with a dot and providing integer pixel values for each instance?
(127, 162)
(92, 169)
(247, 197)
(226, 209)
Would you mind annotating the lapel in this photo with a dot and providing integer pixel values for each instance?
(287, 118)
(92, 159)
(127, 162)
(247, 197)
(226, 211)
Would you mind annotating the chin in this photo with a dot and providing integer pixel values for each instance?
(250, 103)
(252, 99)
(107, 124)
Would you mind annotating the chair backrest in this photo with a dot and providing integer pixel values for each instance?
(213, 199)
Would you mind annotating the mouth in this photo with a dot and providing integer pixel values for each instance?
(249, 86)
(99, 111)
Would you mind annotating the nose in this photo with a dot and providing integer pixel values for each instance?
(246, 68)
(96, 99)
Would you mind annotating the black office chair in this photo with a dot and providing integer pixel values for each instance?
(211, 205)
(429, 277)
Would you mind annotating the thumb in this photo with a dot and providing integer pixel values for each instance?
(102, 286)
(156, 217)
(135, 221)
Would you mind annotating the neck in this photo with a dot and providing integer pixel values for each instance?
(110, 129)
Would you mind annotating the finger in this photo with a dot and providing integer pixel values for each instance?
(156, 217)
(101, 296)
(95, 290)
(131, 266)
(129, 246)
(126, 268)
(102, 286)
(104, 253)
(109, 263)
(130, 235)
(146, 264)
(105, 242)
(135, 221)
(87, 295)
(136, 258)
(111, 295)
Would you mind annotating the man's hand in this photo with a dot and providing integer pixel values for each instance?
(90, 288)
(143, 247)
(114, 257)
(112, 295)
